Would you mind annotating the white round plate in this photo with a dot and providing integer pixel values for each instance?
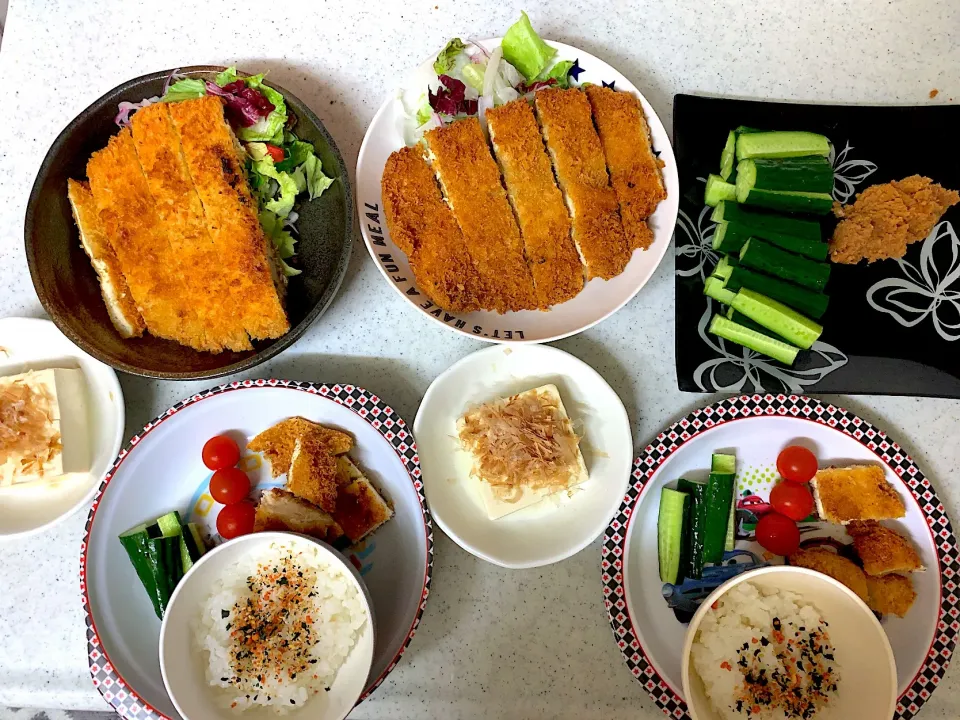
(33, 344)
(756, 428)
(161, 470)
(557, 527)
(599, 299)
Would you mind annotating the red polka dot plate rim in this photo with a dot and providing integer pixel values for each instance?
(159, 470)
(650, 635)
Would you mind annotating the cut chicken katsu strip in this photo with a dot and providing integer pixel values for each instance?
(210, 151)
(581, 170)
(113, 285)
(537, 201)
(424, 228)
(131, 222)
(208, 278)
(470, 180)
(634, 169)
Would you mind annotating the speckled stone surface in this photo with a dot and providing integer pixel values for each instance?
(493, 643)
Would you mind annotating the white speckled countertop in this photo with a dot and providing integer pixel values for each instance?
(493, 643)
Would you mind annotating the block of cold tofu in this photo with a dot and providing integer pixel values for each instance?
(634, 169)
(471, 183)
(537, 201)
(859, 492)
(577, 155)
(44, 428)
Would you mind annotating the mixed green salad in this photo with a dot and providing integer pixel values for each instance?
(471, 78)
(279, 165)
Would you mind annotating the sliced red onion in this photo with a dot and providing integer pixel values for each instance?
(126, 109)
(471, 41)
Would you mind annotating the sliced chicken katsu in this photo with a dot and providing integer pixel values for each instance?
(277, 443)
(470, 180)
(578, 159)
(882, 550)
(209, 279)
(139, 240)
(634, 169)
(360, 508)
(424, 228)
(210, 152)
(537, 202)
(891, 594)
(113, 285)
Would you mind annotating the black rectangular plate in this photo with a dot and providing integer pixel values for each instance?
(892, 327)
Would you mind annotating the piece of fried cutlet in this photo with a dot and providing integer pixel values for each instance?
(634, 169)
(537, 202)
(859, 492)
(121, 307)
(471, 184)
(882, 550)
(277, 443)
(839, 568)
(313, 472)
(891, 594)
(360, 508)
(210, 278)
(573, 144)
(424, 228)
(139, 240)
(211, 153)
(282, 510)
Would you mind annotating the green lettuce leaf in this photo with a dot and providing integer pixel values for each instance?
(257, 150)
(297, 153)
(288, 187)
(448, 56)
(473, 74)
(559, 72)
(226, 77)
(282, 240)
(186, 89)
(524, 49)
(424, 112)
(300, 179)
(317, 182)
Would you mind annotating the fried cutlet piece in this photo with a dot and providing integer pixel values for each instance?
(360, 508)
(537, 202)
(113, 285)
(859, 492)
(210, 151)
(882, 550)
(130, 220)
(839, 568)
(886, 218)
(282, 510)
(891, 594)
(470, 180)
(581, 169)
(313, 472)
(634, 169)
(424, 228)
(209, 276)
(277, 442)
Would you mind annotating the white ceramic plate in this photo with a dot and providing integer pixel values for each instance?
(599, 299)
(555, 528)
(756, 428)
(32, 344)
(161, 470)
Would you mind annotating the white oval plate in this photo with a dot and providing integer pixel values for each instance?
(33, 344)
(757, 427)
(161, 470)
(599, 299)
(553, 529)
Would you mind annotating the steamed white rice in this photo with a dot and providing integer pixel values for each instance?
(765, 654)
(277, 627)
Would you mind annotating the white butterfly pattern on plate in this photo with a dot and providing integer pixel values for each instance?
(925, 291)
(847, 174)
(700, 246)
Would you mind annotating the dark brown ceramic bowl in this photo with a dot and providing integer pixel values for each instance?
(68, 287)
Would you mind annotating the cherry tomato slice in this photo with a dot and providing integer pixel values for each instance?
(236, 520)
(796, 464)
(229, 485)
(791, 499)
(220, 452)
(778, 534)
(275, 152)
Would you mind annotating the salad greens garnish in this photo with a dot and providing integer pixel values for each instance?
(448, 56)
(525, 50)
(559, 73)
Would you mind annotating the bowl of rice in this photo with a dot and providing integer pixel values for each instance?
(787, 643)
(266, 625)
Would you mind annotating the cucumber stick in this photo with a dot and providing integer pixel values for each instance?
(725, 267)
(134, 541)
(789, 324)
(772, 260)
(717, 189)
(728, 156)
(717, 515)
(731, 540)
(760, 220)
(730, 237)
(714, 288)
(694, 538)
(672, 524)
(741, 319)
(781, 145)
(802, 300)
(759, 340)
(722, 463)
(792, 202)
(813, 175)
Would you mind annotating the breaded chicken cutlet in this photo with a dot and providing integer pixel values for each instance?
(537, 202)
(573, 144)
(313, 472)
(277, 443)
(891, 594)
(360, 508)
(882, 550)
(839, 568)
(470, 180)
(634, 169)
(859, 492)
(424, 228)
(280, 509)
(886, 218)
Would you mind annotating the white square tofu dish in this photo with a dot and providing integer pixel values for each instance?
(542, 527)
